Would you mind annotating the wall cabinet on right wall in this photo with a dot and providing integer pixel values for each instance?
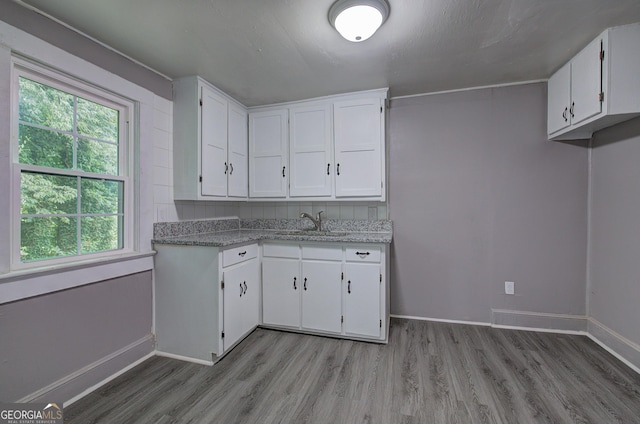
(598, 88)
(331, 148)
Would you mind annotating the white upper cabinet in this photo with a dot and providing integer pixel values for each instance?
(310, 151)
(238, 175)
(331, 148)
(209, 143)
(598, 88)
(359, 130)
(268, 140)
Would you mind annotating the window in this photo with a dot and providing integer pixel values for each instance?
(71, 165)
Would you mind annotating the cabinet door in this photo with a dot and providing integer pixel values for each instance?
(238, 152)
(281, 287)
(251, 295)
(585, 83)
(362, 299)
(559, 99)
(213, 144)
(321, 296)
(358, 147)
(268, 136)
(233, 320)
(310, 151)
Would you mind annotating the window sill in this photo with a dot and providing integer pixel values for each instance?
(21, 284)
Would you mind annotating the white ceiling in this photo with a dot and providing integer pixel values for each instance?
(269, 51)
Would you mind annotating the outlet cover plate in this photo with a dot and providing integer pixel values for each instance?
(509, 287)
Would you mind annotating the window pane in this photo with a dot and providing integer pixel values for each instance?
(45, 147)
(43, 105)
(43, 238)
(101, 196)
(45, 194)
(97, 157)
(100, 233)
(97, 121)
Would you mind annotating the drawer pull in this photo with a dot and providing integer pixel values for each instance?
(242, 253)
(362, 254)
(294, 284)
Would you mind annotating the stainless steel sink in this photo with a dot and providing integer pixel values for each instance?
(311, 233)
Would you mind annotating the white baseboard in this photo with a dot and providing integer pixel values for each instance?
(450, 321)
(619, 346)
(539, 321)
(184, 358)
(104, 369)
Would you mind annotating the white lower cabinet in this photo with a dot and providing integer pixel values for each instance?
(321, 297)
(206, 299)
(335, 289)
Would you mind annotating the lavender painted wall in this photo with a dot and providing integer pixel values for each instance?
(76, 44)
(614, 268)
(479, 196)
(47, 338)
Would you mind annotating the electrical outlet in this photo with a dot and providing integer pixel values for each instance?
(509, 287)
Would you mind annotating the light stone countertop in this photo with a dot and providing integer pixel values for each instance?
(219, 234)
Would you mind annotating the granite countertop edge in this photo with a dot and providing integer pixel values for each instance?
(243, 236)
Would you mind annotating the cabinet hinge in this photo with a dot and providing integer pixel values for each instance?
(381, 278)
(341, 318)
(223, 334)
(380, 323)
(601, 96)
(380, 109)
(200, 102)
(200, 178)
(342, 276)
(222, 284)
(601, 55)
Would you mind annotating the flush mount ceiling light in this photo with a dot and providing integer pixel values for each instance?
(357, 20)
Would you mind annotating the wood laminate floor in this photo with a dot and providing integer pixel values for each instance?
(428, 373)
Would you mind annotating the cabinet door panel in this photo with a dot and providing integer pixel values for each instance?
(268, 137)
(238, 152)
(321, 296)
(358, 145)
(559, 92)
(310, 151)
(213, 144)
(362, 299)
(251, 296)
(234, 326)
(281, 292)
(585, 83)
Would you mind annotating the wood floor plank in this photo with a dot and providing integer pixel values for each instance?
(428, 373)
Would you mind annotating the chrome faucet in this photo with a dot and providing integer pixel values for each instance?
(317, 221)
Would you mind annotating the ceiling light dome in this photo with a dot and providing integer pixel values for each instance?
(357, 20)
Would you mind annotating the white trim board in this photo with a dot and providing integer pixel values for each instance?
(459, 90)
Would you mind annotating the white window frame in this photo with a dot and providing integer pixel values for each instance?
(126, 108)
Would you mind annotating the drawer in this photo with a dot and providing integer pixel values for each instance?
(275, 250)
(327, 253)
(363, 254)
(239, 254)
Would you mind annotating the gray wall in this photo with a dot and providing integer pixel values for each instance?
(479, 196)
(614, 270)
(76, 44)
(47, 338)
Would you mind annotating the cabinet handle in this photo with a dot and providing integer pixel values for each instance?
(305, 283)
(242, 253)
(571, 110)
(241, 290)
(230, 168)
(362, 254)
(294, 284)
(283, 168)
(349, 286)
(328, 166)
(338, 169)
(564, 114)
(226, 168)
(245, 288)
